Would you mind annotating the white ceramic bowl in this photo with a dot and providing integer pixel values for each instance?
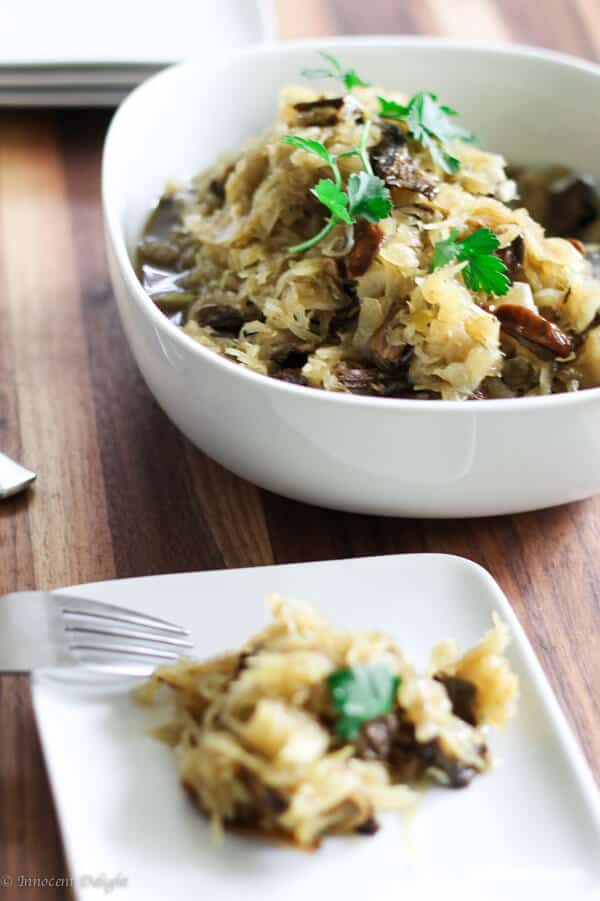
(393, 457)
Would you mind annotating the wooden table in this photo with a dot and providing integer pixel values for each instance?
(121, 493)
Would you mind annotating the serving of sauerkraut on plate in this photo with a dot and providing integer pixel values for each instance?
(309, 731)
(367, 244)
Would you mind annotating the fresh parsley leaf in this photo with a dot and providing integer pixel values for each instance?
(389, 109)
(309, 146)
(361, 693)
(441, 157)
(349, 77)
(430, 124)
(329, 192)
(437, 121)
(368, 197)
(333, 198)
(479, 242)
(445, 252)
(484, 271)
(353, 80)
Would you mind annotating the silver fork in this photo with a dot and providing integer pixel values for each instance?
(39, 628)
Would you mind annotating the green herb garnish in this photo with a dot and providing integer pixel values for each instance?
(365, 196)
(334, 198)
(348, 77)
(484, 271)
(430, 124)
(368, 197)
(310, 147)
(361, 693)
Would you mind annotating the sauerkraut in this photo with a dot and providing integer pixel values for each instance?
(362, 312)
(255, 731)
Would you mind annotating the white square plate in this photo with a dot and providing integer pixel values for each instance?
(528, 830)
(109, 32)
(94, 53)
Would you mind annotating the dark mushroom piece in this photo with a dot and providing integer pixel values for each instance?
(370, 826)
(458, 773)
(321, 112)
(373, 382)
(376, 737)
(264, 804)
(392, 161)
(345, 314)
(462, 695)
(522, 323)
(391, 739)
(572, 204)
(367, 238)
(216, 186)
(221, 317)
(393, 358)
(290, 358)
(512, 256)
(359, 379)
(397, 387)
(478, 394)
(305, 106)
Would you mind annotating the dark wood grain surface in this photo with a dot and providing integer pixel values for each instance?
(121, 493)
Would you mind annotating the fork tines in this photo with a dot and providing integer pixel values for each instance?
(94, 628)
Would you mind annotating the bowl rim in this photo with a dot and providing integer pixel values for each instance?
(115, 234)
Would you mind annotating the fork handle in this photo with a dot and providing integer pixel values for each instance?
(29, 632)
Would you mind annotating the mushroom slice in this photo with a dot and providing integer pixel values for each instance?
(393, 163)
(523, 323)
(368, 237)
(321, 112)
(512, 256)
